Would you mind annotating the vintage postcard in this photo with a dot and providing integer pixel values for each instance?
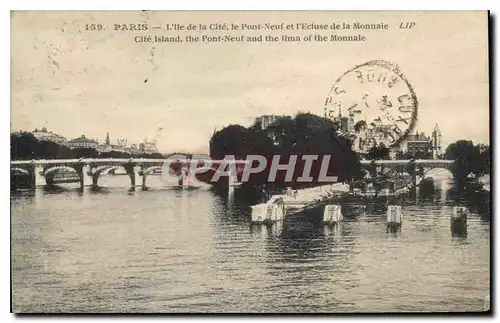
(250, 162)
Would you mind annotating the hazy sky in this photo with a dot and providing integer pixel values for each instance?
(77, 82)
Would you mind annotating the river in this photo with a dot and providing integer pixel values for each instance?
(168, 250)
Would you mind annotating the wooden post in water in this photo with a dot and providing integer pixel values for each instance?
(276, 212)
(332, 214)
(394, 217)
(272, 211)
(259, 213)
(458, 221)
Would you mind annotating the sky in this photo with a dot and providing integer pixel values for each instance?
(78, 82)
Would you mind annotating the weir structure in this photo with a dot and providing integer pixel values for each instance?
(280, 206)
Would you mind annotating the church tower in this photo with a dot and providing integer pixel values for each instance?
(107, 138)
(436, 142)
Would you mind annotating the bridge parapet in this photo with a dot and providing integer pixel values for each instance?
(407, 162)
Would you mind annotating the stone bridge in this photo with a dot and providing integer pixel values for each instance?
(88, 170)
(419, 169)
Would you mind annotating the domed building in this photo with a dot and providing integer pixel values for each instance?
(83, 142)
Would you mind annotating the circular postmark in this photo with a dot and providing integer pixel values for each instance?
(373, 104)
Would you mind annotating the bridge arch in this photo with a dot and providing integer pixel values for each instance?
(103, 169)
(19, 171)
(434, 171)
(113, 168)
(151, 169)
(52, 170)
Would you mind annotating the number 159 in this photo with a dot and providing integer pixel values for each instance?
(94, 27)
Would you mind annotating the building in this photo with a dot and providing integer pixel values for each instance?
(436, 142)
(421, 146)
(104, 148)
(345, 124)
(45, 135)
(122, 142)
(83, 142)
(266, 120)
(106, 142)
(149, 147)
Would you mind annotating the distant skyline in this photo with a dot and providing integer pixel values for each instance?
(114, 139)
(75, 82)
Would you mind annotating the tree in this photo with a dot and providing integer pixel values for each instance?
(238, 141)
(484, 160)
(24, 146)
(304, 134)
(466, 158)
(84, 153)
(378, 152)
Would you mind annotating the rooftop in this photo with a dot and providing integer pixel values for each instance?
(44, 130)
(83, 139)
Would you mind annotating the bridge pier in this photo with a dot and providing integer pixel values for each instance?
(413, 173)
(133, 171)
(185, 176)
(143, 185)
(39, 180)
(86, 178)
(95, 180)
(135, 177)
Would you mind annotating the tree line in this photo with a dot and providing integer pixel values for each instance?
(469, 159)
(302, 134)
(306, 133)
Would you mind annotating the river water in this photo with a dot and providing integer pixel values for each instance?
(168, 250)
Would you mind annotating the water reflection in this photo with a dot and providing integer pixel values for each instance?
(458, 229)
(332, 230)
